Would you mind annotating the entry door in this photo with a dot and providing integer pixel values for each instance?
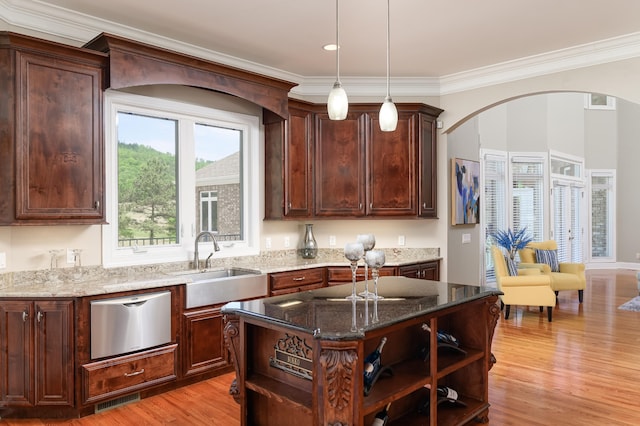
(569, 207)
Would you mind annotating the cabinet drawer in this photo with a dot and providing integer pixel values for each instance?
(342, 274)
(301, 278)
(116, 376)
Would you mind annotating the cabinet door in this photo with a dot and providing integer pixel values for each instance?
(203, 348)
(59, 159)
(54, 352)
(340, 165)
(16, 344)
(297, 160)
(430, 271)
(410, 271)
(428, 167)
(391, 168)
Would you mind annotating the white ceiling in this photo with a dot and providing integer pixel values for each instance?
(284, 38)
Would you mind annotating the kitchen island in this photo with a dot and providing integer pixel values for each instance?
(300, 358)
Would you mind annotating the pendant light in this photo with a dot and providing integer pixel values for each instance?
(388, 113)
(338, 103)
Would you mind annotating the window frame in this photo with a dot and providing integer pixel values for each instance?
(114, 256)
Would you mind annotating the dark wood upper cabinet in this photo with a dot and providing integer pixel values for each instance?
(357, 170)
(391, 167)
(340, 165)
(427, 167)
(51, 132)
(288, 163)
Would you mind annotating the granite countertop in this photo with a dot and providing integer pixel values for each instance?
(327, 314)
(95, 280)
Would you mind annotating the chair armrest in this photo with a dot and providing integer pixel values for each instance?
(542, 267)
(572, 268)
(526, 281)
(529, 271)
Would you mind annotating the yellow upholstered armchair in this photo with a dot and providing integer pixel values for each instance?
(569, 276)
(529, 288)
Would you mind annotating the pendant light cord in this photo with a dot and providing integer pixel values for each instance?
(388, 37)
(337, 43)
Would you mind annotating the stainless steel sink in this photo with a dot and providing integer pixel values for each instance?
(216, 286)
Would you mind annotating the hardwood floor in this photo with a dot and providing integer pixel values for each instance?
(581, 369)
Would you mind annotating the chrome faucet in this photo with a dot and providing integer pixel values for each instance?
(196, 260)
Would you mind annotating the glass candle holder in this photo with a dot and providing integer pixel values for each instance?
(353, 252)
(375, 260)
(368, 241)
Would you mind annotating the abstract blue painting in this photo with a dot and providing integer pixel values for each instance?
(465, 183)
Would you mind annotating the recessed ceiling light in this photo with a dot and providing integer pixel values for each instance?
(329, 47)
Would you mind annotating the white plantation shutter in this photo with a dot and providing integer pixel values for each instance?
(577, 226)
(527, 194)
(494, 202)
(561, 230)
(602, 215)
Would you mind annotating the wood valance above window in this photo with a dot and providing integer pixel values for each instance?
(132, 63)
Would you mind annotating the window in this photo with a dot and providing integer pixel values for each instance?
(602, 208)
(174, 170)
(527, 193)
(568, 205)
(494, 215)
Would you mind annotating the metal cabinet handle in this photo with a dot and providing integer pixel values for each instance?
(135, 373)
(299, 278)
(39, 316)
(25, 316)
(96, 205)
(424, 205)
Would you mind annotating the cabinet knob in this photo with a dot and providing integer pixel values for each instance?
(424, 205)
(96, 205)
(25, 316)
(39, 316)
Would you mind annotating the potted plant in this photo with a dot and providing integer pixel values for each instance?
(512, 241)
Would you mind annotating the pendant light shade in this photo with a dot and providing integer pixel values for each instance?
(338, 103)
(388, 113)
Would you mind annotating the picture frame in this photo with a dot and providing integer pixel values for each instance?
(465, 192)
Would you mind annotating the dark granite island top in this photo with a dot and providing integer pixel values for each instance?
(300, 358)
(327, 314)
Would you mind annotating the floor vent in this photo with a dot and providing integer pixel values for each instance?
(123, 400)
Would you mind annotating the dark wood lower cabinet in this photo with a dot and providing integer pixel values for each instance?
(37, 357)
(425, 271)
(203, 349)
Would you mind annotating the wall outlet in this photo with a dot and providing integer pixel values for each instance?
(70, 257)
(287, 242)
(638, 256)
(401, 240)
(466, 238)
(3, 260)
(332, 240)
(267, 242)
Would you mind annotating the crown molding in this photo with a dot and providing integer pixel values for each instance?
(370, 86)
(79, 28)
(586, 55)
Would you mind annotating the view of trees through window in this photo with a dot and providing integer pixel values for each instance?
(149, 182)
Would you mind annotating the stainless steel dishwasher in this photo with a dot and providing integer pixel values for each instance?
(127, 324)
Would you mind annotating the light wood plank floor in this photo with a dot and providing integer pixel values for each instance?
(581, 369)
